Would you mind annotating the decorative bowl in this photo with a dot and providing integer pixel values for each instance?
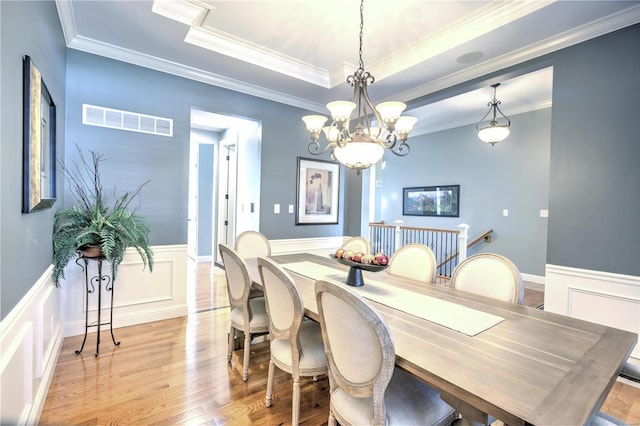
(354, 278)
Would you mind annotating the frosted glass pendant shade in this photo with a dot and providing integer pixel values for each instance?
(493, 134)
(390, 110)
(314, 122)
(341, 110)
(359, 154)
(405, 124)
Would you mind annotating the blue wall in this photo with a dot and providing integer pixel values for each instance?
(512, 175)
(136, 157)
(205, 199)
(594, 198)
(25, 249)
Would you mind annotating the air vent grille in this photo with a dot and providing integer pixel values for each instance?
(125, 120)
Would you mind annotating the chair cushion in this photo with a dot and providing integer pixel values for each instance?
(312, 357)
(259, 320)
(408, 402)
(604, 419)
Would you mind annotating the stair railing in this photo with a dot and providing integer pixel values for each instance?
(449, 246)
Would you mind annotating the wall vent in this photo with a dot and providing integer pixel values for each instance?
(124, 120)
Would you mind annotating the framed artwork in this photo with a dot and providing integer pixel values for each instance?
(317, 192)
(39, 142)
(442, 200)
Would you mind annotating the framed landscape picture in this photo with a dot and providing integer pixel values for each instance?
(317, 192)
(442, 200)
(39, 142)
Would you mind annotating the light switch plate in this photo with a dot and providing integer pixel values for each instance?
(544, 213)
(505, 212)
(290, 208)
(276, 208)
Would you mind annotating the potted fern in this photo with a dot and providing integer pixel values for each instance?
(91, 228)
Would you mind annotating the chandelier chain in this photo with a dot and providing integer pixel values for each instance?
(361, 32)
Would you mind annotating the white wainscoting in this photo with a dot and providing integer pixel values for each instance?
(322, 246)
(139, 295)
(30, 341)
(31, 335)
(600, 297)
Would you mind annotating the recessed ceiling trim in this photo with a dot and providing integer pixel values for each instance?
(482, 21)
(586, 32)
(185, 12)
(233, 47)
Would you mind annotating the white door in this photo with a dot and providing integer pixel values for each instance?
(192, 213)
(227, 192)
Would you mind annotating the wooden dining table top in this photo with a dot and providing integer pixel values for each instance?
(535, 367)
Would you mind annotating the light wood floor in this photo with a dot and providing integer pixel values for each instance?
(176, 372)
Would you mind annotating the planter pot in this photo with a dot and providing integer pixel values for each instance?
(90, 250)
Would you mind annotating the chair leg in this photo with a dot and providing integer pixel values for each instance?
(295, 403)
(247, 352)
(232, 336)
(270, 379)
(332, 419)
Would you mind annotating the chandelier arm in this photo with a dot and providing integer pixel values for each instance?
(502, 114)
(314, 148)
(401, 149)
(485, 116)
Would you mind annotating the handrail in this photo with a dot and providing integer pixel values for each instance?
(486, 237)
(446, 243)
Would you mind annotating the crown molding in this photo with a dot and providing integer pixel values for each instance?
(484, 20)
(337, 75)
(569, 38)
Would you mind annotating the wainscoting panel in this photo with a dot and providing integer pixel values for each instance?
(600, 297)
(321, 245)
(30, 340)
(139, 295)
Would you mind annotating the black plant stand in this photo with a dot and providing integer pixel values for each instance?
(91, 284)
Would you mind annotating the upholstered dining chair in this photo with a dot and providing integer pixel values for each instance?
(252, 244)
(629, 371)
(491, 275)
(248, 315)
(364, 385)
(357, 244)
(415, 261)
(295, 342)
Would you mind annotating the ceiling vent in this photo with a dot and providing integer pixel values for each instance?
(124, 120)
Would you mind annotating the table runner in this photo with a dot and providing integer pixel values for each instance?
(447, 314)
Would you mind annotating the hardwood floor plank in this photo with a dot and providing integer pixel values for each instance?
(176, 372)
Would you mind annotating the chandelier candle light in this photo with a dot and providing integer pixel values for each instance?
(365, 145)
(497, 129)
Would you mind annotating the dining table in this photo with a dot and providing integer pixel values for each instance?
(488, 358)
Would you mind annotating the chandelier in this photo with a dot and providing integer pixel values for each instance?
(363, 146)
(497, 129)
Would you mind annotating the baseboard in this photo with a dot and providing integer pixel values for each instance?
(537, 279)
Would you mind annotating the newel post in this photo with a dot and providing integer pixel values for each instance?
(463, 237)
(397, 240)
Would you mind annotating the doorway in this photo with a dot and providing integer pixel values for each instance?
(224, 187)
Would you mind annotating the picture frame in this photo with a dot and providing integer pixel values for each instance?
(39, 141)
(439, 200)
(317, 194)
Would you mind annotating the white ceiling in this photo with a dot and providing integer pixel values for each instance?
(299, 52)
